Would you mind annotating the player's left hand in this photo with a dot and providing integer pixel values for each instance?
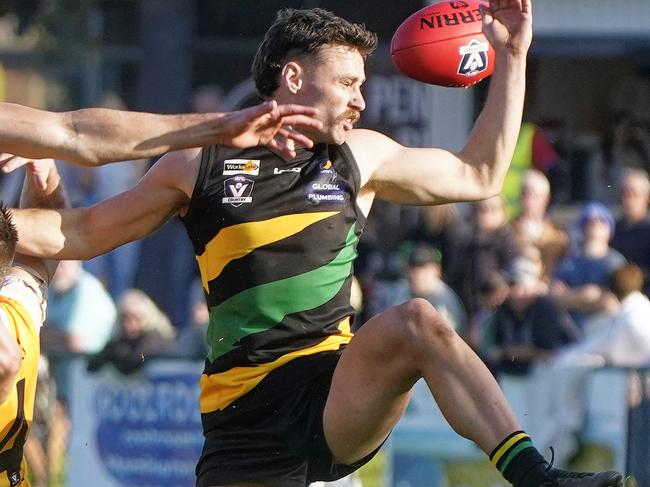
(38, 169)
(508, 25)
(271, 125)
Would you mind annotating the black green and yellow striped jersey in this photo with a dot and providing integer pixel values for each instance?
(275, 240)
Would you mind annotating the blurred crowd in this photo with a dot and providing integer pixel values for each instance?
(556, 268)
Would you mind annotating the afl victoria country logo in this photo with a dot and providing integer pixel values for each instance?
(473, 58)
(237, 190)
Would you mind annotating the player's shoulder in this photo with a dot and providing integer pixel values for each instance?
(177, 169)
(27, 287)
(371, 149)
(368, 141)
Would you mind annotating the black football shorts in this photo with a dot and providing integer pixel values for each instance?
(274, 434)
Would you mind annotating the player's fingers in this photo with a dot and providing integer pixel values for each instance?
(496, 5)
(260, 110)
(527, 6)
(294, 109)
(297, 137)
(486, 14)
(13, 163)
(39, 179)
(280, 145)
(4, 156)
(303, 121)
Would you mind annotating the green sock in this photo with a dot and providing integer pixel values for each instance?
(518, 460)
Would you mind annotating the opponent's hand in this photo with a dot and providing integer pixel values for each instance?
(271, 125)
(38, 169)
(508, 24)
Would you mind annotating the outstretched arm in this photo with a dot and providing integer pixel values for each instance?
(429, 176)
(83, 233)
(95, 136)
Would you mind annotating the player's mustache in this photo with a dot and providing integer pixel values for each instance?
(351, 115)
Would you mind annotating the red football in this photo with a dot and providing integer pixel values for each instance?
(442, 44)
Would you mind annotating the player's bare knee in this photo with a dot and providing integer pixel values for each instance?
(426, 327)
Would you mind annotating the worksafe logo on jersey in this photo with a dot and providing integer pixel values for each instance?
(474, 58)
(237, 190)
(241, 166)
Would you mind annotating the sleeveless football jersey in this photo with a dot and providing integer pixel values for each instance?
(17, 411)
(275, 240)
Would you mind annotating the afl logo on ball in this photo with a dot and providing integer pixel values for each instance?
(459, 4)
(474, 58)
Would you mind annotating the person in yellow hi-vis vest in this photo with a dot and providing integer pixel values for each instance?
(22, 312)
(532, 151)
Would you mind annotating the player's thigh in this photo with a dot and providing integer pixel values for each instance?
(371, 384)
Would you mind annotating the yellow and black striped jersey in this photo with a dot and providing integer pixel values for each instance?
(275, 241)
(22, 311)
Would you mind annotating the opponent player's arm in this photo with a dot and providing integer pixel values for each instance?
(95, 136)
(50, 195)
(83, 233)
(428, 176)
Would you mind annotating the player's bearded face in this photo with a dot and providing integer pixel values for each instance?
(332, 84)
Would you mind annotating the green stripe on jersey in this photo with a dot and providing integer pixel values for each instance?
(262, 307)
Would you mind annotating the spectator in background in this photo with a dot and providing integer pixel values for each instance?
(534, 226)
(442, 227)
(533, 151)
(192, 342)
(530, 324)
(424, 280)
(580, 280)
(144, 332)
(81, 314)
(80, 319)
(626, 144)
(632, 234)
(493, 247)
(626, 340)
(380, 281)
(492, 294)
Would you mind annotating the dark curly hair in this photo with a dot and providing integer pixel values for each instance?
(300, 32)
(8, 241)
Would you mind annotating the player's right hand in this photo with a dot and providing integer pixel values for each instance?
(271, 125)
(38, 169)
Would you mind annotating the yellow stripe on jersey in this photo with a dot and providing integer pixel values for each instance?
(219, 390)
(239, 240)
(23, 327)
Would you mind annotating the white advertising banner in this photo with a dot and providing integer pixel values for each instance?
(143, 429)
